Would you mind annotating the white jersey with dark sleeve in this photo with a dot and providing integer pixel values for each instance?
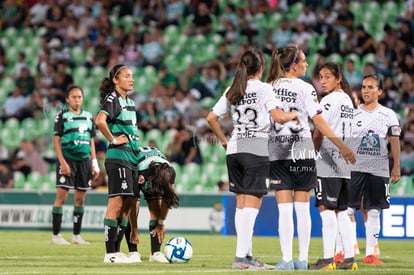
(338, 112)
(250, 118)
(292, 140)
(370, 132)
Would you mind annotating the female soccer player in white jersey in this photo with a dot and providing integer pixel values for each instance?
(250, 101)
(292, 154)
(333, 172)
(374, 126)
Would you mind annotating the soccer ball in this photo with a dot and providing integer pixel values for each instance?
(178, 250)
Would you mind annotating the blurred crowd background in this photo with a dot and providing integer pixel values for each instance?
(183, 54)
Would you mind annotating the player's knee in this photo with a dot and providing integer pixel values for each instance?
(350, 211)
(373, 214)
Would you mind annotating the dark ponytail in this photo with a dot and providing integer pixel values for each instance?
(282, 60)
(107, 85)
(161, 176)
(250, 63)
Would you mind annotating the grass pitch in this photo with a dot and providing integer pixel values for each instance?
(30, 252)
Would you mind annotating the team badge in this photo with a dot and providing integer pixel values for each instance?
(370, 140)
(141, 179)
(124, 185)
(62, 179)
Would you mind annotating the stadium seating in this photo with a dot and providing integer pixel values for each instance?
(156, 135)
(11, 133)
(168, 137)
(7, 85)
(77, 54)
(35, 127)
(19, 180)
(404, 187)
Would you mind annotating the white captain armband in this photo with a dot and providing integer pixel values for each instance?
(394, 131)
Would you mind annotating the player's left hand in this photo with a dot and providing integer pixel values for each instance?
(95, 169)
(348, 155)
(395, 175)
(160, 232)
(134, 237)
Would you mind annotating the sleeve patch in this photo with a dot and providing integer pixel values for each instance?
(394, 130)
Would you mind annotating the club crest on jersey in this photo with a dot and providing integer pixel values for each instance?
(141, 179)
(370, 144)
(370, 140)
(124, 185)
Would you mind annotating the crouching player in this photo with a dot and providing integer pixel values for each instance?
(156, 179)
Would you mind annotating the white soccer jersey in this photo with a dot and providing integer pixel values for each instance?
(337, 110)
(290, 140)
(250, 118)
(370, 131)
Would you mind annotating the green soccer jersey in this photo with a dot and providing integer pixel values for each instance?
(75, 132)
(146, 156)
(122, 119)
(150, 154)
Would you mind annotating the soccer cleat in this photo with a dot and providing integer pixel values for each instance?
(244, 264)
(77, 239)
(259, 264)
(58, 239)
(135, 257)
(356, 249)
(376, 250)
(117, 257)
(300, 265)
(323, 264)
(348, 264)
(158, 257)
(339, 257)
(372, 259)
(283, 265)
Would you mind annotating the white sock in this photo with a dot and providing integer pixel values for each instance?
(339, 246)
(237, 218)
(245, 232)
(304, 225)
(372, 229)
(351, 213)
(345, 231)
(286, 229)
(329, 233)
(237, 225)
